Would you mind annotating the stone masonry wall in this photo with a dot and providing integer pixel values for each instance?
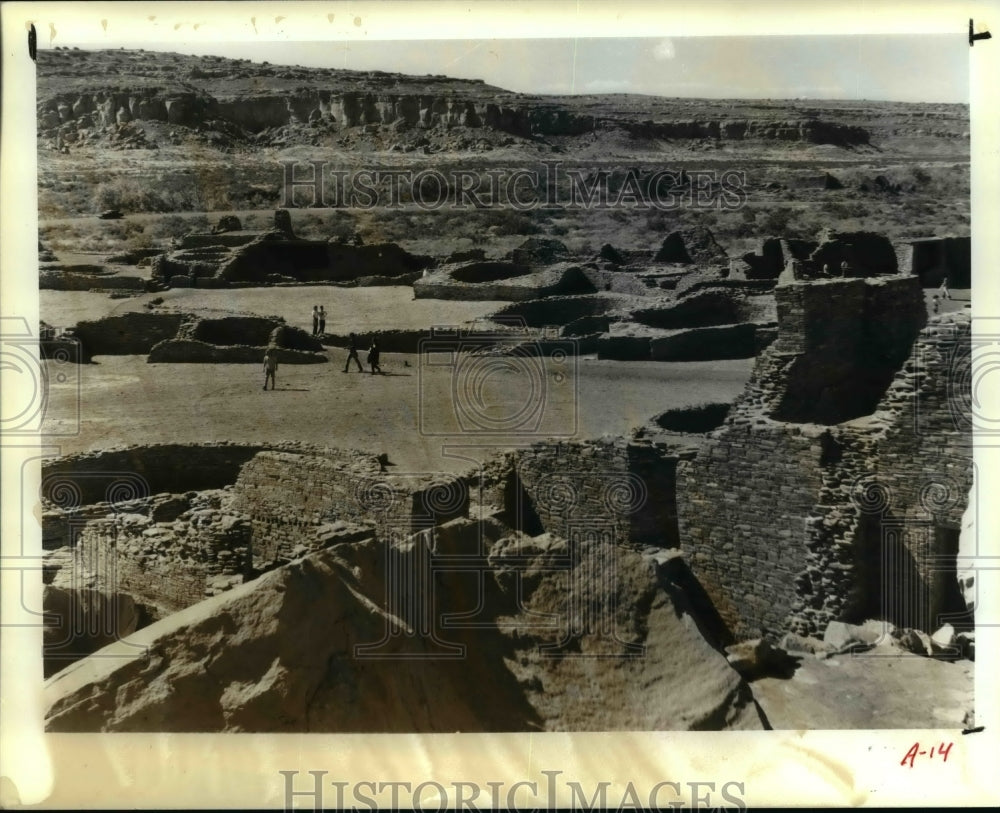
(118, 475)
(622, 489)
(169, 565)
(742, 507)
(128, 333)
(287, 495)
(132, 535)
(290, 497)
(925, 472)
(790, 526)
(839, 344)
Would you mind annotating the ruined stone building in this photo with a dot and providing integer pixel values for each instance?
(252, 588)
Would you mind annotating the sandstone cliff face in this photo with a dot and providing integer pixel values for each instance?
(321, 645)
(87, 95)
(354, 109)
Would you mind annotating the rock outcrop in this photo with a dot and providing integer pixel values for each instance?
(215, 96)
(317, 646)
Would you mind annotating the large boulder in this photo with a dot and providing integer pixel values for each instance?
(319, 645)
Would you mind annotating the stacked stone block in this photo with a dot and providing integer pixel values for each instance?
(790, 526)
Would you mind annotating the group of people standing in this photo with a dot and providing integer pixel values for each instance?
(319, 320)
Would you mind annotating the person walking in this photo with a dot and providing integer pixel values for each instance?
(322, 321)
(352, 353)
(373, 357)
(943, 290)
(270, 365)
(315, 319)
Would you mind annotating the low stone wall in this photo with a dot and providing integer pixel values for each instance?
(316, 260)
(412, 341)
(127, 333)
(390, 341)
(615, 490)
(262, 257)
(230, 330)
(706, 343)
(706, 308)
(119, 475)
(632, 342)
(195, 352)
(231, 239)
(559, 310)
(558, 279)
(64, 281)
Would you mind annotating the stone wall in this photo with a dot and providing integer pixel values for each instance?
(195, 352)
(229, 330)
(839, 344)
(68, 281)
(611, 489)
(558, 279)
(629, 341)
(791, 525)
(558, 310)
(128, 333)
(316, 260)
(263, 257)
(240, 511)
(121, 475)
(290, 497)
(707, 343)
(706, 308)
(925, 472)
(742, 507)
(169, 565)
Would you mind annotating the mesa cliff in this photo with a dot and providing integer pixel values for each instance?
(224, 96)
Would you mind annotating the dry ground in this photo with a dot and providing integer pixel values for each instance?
(123, 400)
(357, 309)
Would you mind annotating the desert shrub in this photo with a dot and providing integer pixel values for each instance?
(659, 220)
(310, 225)
(509, 222)
(141, 195)
(169, 227)
(843, 210)
(344, 227)
(255, 221)
(776, 221)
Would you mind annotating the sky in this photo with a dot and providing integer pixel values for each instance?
(914, 68)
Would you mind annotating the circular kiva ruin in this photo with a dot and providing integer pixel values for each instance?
(672, 578)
